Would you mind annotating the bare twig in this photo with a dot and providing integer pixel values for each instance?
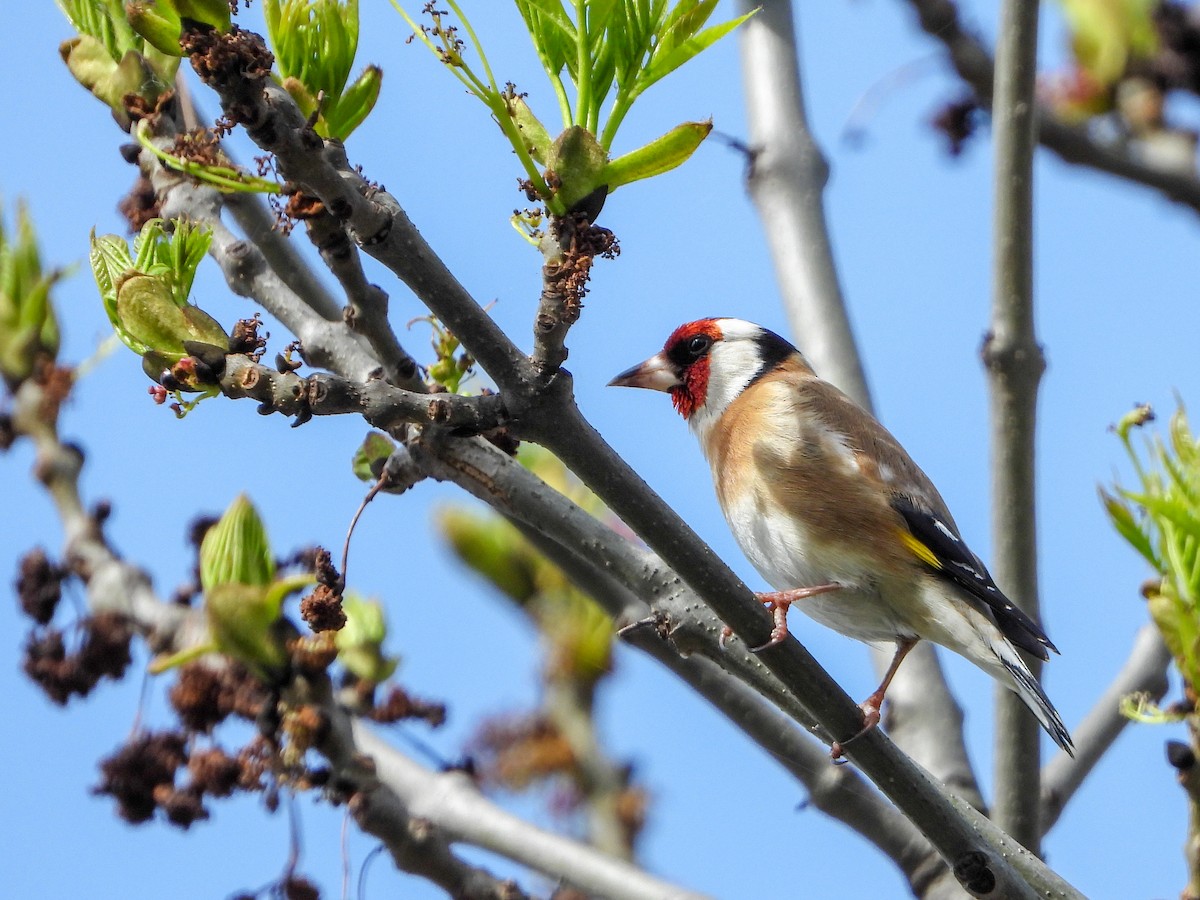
(383, 405)
(569, 249)
(1015, 363)
(367, 313)
(1144, 671)
(973, 62)
(259, 225)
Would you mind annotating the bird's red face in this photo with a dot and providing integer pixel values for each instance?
(681, 369)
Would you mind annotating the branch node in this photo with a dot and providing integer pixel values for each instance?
(974, 873)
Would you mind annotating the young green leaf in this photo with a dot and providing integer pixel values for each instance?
(660, 155)
(352, 108)
(664, 63)
(158, 23)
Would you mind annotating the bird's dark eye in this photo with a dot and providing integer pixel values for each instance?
(698, 346)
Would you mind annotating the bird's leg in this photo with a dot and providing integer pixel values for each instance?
(777, 603)
(873, 704)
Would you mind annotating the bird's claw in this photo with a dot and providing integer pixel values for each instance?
(871, 717)
(778, 610)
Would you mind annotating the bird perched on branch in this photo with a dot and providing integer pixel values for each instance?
(834, 514)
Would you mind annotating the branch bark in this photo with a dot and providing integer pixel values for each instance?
(1014, 363)
(367, 309)
(381, 404)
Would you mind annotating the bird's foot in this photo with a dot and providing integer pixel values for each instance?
(778, 603)
(871, 715)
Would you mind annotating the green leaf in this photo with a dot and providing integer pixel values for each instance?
(1129, 528)
(28, 325)
(105, 21)
(148, 319)
(532, 130)
(371, 456)
(110, 261)
(354, 105)
(360, 640)
(491, 547)
(206, 12)
(185, 250)
(552, 32)
(660, 155)
(158, 24)
(664, 63)
(107, 80)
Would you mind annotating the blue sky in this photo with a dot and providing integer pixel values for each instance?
(911, 232)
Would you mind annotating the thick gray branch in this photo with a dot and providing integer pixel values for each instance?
(907, 785)
(787, 177)
(1014, 364)
(618, 575)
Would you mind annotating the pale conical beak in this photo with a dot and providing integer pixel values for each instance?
(655, 374)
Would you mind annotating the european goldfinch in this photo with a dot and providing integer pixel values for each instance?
(832, 511)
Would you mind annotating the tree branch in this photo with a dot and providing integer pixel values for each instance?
(548, 415)
(495, 478)
(451, 802)
(259, 225)
(1014, 363)
(383, 405)
(415, 812)
(786, 178)
(973, 62)
(367, 313)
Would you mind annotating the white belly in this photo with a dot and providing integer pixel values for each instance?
(788, 558)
